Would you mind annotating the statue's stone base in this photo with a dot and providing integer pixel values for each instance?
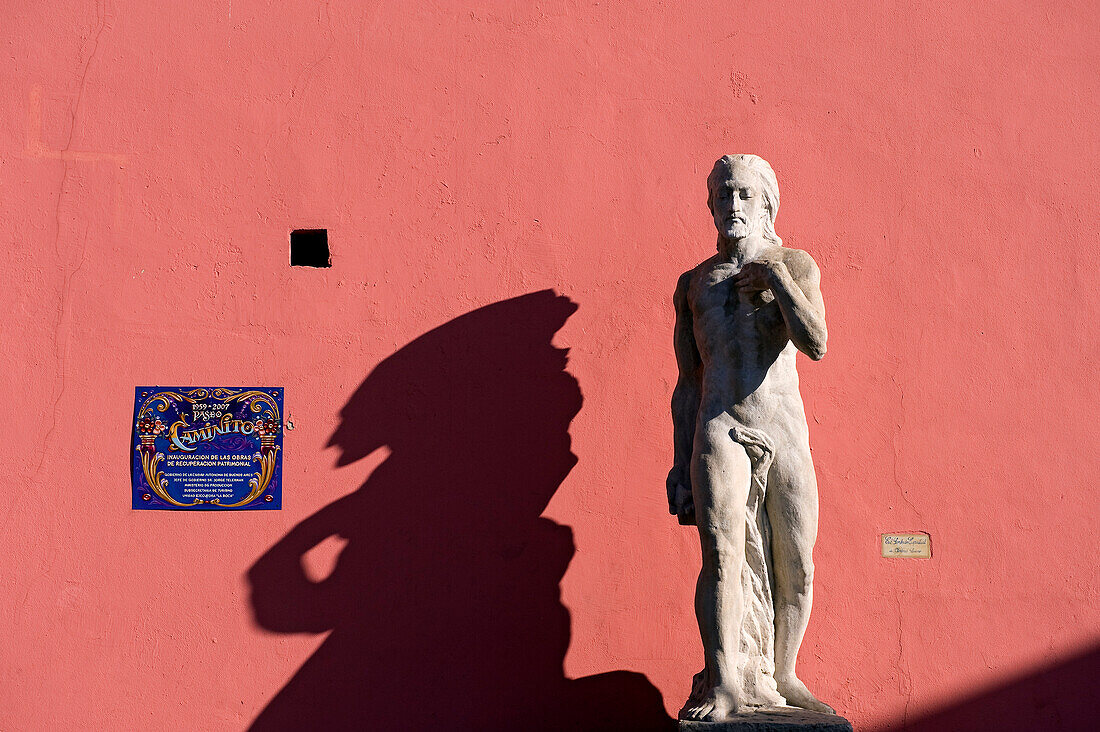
(779, 719)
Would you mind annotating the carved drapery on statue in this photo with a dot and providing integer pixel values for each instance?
(756, 666)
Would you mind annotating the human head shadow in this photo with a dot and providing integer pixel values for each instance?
(444, 604)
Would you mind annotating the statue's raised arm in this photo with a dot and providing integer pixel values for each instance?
(795, 281)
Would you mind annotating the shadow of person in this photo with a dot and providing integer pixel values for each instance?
(1055, 697)
(444, 604)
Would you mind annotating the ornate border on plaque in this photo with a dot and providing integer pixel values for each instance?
(249, 416)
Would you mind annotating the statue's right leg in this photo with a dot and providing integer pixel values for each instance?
(720, 475)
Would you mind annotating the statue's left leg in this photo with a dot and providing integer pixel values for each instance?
(791, 502)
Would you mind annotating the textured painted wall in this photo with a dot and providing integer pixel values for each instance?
(939, 164)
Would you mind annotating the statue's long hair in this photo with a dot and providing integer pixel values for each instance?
(768, 184)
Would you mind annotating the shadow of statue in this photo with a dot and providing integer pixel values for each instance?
(444, 605)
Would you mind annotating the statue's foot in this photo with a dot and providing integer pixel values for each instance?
(765, 696)
(715, 704)
(699, 685)
(797, 695)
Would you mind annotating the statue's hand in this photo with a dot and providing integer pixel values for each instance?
(758, 276)
(680, 501)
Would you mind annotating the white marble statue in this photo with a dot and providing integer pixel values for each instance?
(743, 472)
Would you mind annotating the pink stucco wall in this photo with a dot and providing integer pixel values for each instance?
(938, 163)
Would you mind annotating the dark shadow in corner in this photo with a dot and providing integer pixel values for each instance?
(1059, 698)
(444, 604)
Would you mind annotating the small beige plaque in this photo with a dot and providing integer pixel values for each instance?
(907, 546)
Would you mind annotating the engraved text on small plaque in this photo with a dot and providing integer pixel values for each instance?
(907, 546)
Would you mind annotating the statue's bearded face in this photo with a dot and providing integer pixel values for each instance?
(737, 204)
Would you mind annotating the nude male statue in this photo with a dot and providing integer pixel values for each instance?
(743, 472)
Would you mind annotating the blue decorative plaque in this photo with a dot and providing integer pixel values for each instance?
(211, 448)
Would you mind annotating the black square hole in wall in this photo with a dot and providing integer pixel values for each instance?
(309, 248)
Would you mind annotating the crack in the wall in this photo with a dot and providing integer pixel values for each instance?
(899, 428)
(61, 351)
(905, 684)
(63, 301)
(308, 72)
